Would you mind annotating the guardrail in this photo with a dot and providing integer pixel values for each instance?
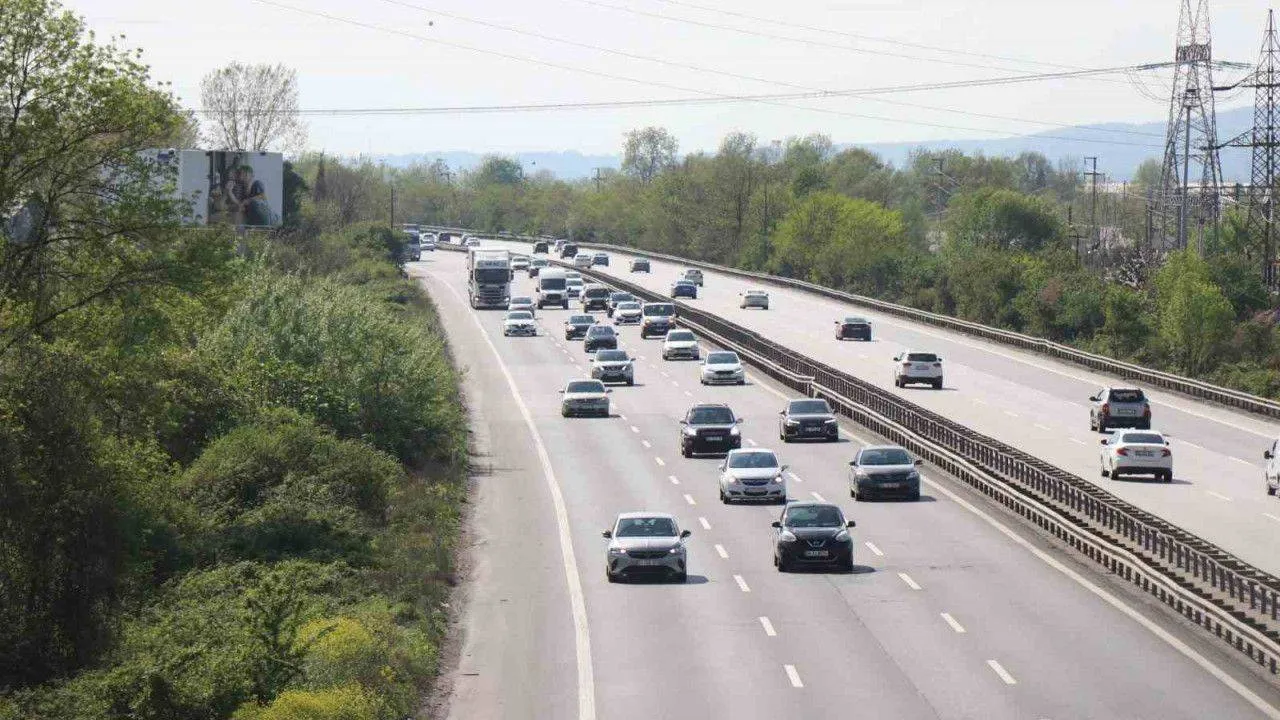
(1233, 600)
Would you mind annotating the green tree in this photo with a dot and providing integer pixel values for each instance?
(1002, 220)
(648, 152)
(1195, 318)
(842, 242)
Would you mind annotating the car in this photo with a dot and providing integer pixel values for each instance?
(656, 319)
(536, 265)
(582, 261)
(626, 313)
(521, 302)
(1119, 408)
(600, 259)
(1271, 471)
(595, 297)
(709, 429)
(681, 344)
(808, 419)
(684, 289)
(619, 297)
(884, 470)
(721, 367)
(429, 243)
(413, 247)
(585, 397)
(573, 275)
(555, 248)
(600, 337)
(573, 287)
(1137, 452)
(917, 368)
(519, 262)
(613, 366)
(694, 276)
(577, 326)
(568, 250)
(540, 247)
(471, 242)
(646, 544)
(752, 474)
(640, 265)
(853, 328)
(812, 533)
(755, 299)
(519, 322)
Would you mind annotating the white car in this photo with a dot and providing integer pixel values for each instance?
(752, 474)
(573, 274)
(756, 299)
(722, 367)
(680, 344)
(573, 286)
(519, 262)
(519, 322)
(471, 242)
(627, 313)
(917, 368)
(1137, 452)
(585, 397)
(646, 544)
(582, 261)
(521, 302)
(694, 276)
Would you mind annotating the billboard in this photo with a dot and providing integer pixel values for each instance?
(243, 189)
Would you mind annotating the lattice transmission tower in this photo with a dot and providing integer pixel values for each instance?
(1192, 173)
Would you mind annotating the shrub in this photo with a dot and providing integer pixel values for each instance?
(343, 703)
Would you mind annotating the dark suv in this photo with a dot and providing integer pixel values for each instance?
(595, 297)
(709, 429)
(808, 419)
(812, 533)
(640, 265)
(540, 247)
(600, 337)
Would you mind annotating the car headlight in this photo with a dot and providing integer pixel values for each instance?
(860, 473)
(787, 536)
(793, 423)
(832, 421)
(913, 475)
(676, 550)
(735, 431)
(617, 551)
(691, 432)
(842, 536)
(777, 479)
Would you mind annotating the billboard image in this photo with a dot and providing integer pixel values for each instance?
(244, 188)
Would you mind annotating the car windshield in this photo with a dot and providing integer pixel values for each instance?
(711, 416)
(628, 306)
(646, 527)
(1143, 438)
(601, 256)
(722, 358)
(756, 293)
(597, 292)
(521, 300)
(684, 284)
(922, 357)
(855, 321)
(585, 386)
(681, 336)
(582, 320)
(492, 275)
(662, 309)
(809, 407)
(600, 331)
(1126, 396)
(520, 315)
(884, 456)
(611, 356)
(640, 263)
(552, 283)
(753, 460)
(574, 282)
(813, 516)
(539, 263)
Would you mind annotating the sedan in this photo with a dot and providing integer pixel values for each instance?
(853, 328)
(585, 397)
(619, 297)
(808, 420)
(613, 366)
(722, 368)
(646, 544)
(640, 265)
(626, 313)
(680, 344)
(536, 265)
(600, 337)
(752, 474)
(521, 302)
(577, 326)
(573, 287)
(755, 299)
(519, 262)
(884, 470)
(1137, 452)
(519, 322)
(812, 533)
(600, 259)
(684, 289)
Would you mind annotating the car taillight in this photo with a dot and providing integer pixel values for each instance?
(1122, 451)
(937, 364)
(906, 364)
(1166, 452)
(1146, 411)
(1106, 409)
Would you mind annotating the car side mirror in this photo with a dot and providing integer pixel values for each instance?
(1267, 455)
(685, 533)
(782, 412)
(851, 523)
(1094, 398)
(853, 463)
(785, 468)
(607, 533)
(608, 391)
(777, 524)
(918, 462)
(738, 421)
(897, 358)
(560, 391)
(684, 422)
(1104, 442)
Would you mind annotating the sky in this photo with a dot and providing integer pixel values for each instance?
(465, 53)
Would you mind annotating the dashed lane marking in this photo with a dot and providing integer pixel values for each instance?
(705, 525)
(742, 584)
(793, 676)
(689, 499)
(1000, 671)
(910, 583)
(952, 622)
(722, 552)
(674, 480)
(768, 627)
(875, 550)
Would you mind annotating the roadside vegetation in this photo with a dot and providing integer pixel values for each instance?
(229, 481)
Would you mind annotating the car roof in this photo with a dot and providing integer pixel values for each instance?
(884, 447)
(748, 451)
(710, 405)
(1126, 431)
(855, 318)
(813, 503)
(757, 292)
(645, 514)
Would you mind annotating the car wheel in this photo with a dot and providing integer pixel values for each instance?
(630, 382)
(612, 578)
(1093, 426)
(1102, 425)
(742, 382)
(565, 305)
(686, 451)
(1270, 489)
(682, 577)
(853, 493)
(783, 437)
(914, 497)
(782, 565)
(1168, 476)
(1145, 425)
(897, 382)
(937, 384)
(847, 565)
(724, 498)
(1105, 473)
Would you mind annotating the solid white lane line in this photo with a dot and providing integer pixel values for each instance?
(622, 417)
(979, 401)
(872, 547)
(1046, 428)
(722, 552)
(794, 477)
(635, 429)
(768, 627)
(1004, 674)
(1186, 650)
(742, 584)
(689, 499)
(705, 525)
(646, 444)
(660, 462)
(910, 583)
(1076, 441)
(1220, 496)
(577, 603)
(1273, 517)
(793, 676)
(1010, 413)
(818, 497)
(952, 622)
(674, 480)
(1239, 460)
(1191, 445)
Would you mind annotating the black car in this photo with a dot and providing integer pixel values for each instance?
(808, 419)
(709, 429)
(618, 297)
(568, 250)
(540, 247)
(600, 337)
(853, 328)
(812, 534)
(684, 289)
(640, 265)
(577, 326)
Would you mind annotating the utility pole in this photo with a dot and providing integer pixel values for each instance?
(393, 205)
(1093, 204)
(598, 179)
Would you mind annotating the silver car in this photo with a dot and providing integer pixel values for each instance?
(646, 544)
(626, 313)
(522, 302)
(519, 323)
(722, 367)
(680, 344)
(752, 474)
(585, 397)
(884, 470)
(756, 299)
(613, 366)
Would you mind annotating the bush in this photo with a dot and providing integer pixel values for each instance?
(342, 703)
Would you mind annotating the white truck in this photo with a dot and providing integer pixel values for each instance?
(552, 288)
(489, 277)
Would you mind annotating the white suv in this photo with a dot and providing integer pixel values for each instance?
(917, 368)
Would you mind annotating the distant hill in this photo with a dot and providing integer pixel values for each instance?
(1116, 160)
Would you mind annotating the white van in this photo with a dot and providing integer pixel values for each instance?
(552, 288)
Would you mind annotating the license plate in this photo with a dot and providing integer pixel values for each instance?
(922, 368)
(1125, 411)
(891, 485)
(714, 438)
(815, 553)
(648, 563)
(1145, 453)
(813, 430)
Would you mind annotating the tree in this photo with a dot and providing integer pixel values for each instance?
(497, 170)
(647, 152)
(1195, 318)
(253, 107)
(843, 243)
(1146, 177)
(1002, 220)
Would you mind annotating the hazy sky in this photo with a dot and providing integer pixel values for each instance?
(426, 53)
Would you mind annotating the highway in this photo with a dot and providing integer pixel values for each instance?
(954, 611)
(1033, 403)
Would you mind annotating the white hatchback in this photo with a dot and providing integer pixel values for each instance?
(1137, 452)
(752, 474)
(917, 368)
